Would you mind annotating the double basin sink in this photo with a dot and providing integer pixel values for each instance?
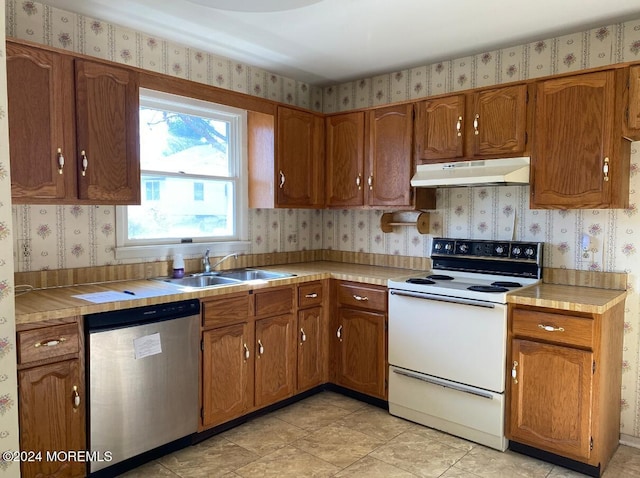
(230, 277)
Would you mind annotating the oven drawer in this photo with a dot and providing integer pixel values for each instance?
(48, 342)
(362, 296)
(558, 328)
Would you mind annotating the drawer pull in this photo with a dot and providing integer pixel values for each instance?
(260, 349)
(514, 372)
(360, 297)
(76, 397)
(303, 336)
(247, 354)
(339, 333)
(50, 343)
(550, 328)
(313, 295)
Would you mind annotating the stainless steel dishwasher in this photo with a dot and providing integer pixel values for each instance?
(142, 383)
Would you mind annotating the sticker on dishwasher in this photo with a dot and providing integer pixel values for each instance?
(147, 345)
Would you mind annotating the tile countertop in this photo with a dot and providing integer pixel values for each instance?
(568, 297)
(59, 302)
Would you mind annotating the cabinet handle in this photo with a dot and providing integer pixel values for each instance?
(313, 295)
(247, 354)
(370, 182)
(360, 298)
(85, 162)
(605, 168)
(475, 124)
(339, 333)
(359, 181)
(260, 349)
(50, 342)
(459, 126)
(303, 336)
(550, 328)
(60, 161)
(76, 397)
(514, 373)
(282, 179)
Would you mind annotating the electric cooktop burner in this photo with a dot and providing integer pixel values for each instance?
(487, 288)
(439, 277)
(506, 284)
(420, 280)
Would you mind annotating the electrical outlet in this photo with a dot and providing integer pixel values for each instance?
(24, 249)
(293, 238)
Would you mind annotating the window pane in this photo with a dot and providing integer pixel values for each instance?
(180, 142)
(176, 213)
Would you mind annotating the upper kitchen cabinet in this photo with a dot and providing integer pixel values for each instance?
(286, 159)
(299, 159)
(487, 123)
(73, 129)
(579, 158)
(345, 159)
(633, 108)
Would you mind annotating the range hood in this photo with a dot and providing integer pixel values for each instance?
(488, 172)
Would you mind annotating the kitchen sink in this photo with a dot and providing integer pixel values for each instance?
(229, 277)
(253, 274)
(200, 281)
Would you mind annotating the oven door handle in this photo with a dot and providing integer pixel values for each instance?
(441, 298)
(442, 383)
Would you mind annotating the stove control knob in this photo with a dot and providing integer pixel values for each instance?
(529, 252)
(437, 246)
(499, 249)
(448, 247)
(516, 251)
(463, 248)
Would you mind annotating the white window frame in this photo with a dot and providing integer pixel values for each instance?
(237, 243)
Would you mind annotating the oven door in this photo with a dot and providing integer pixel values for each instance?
(460, 340)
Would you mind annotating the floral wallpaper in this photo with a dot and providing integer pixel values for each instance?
(8, 375)
(54, 237)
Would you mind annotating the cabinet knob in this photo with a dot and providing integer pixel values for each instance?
(85, 162)
(282, 179)
(514, 372)
(303, 336)
(260, 349)
(370, 182)
(476, 122)
(247, 354)
(60, 159)
(459, 126)
(605, 169)
(339, 333)
(359, 181)
(76, 397)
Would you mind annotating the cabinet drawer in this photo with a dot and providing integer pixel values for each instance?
(225, 309)
(47, 342)
(363, 297)
(274, 302)
(310, 295)
(563, 329)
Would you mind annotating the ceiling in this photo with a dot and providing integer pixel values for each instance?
(327, 42)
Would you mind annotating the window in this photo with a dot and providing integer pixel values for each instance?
(193, 180)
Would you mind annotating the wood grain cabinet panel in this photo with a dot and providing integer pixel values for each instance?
(580, 158)
(312, 359)
(439, 128)
(633, 104)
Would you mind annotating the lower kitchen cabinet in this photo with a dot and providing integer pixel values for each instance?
(360, 339)
(563, 396)
(312, 332)
(227, 369)
(51, 395)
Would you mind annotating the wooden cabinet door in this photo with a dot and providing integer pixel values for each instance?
(439, 133)
(551, 403)
(345, 159)
(275, 364)
(49, 418)
(575, 148)
(107, 112)
(299, 159)
(227, 373)
(498, 122)
(390, 165)
(41, 124)
(633, 107)
(311, 355)
(360, 364)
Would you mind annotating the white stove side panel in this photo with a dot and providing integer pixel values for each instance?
(461, 343)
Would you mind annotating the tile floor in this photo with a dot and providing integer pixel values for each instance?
(332, 435)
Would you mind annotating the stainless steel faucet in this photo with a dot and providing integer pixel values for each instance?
(207, 267)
